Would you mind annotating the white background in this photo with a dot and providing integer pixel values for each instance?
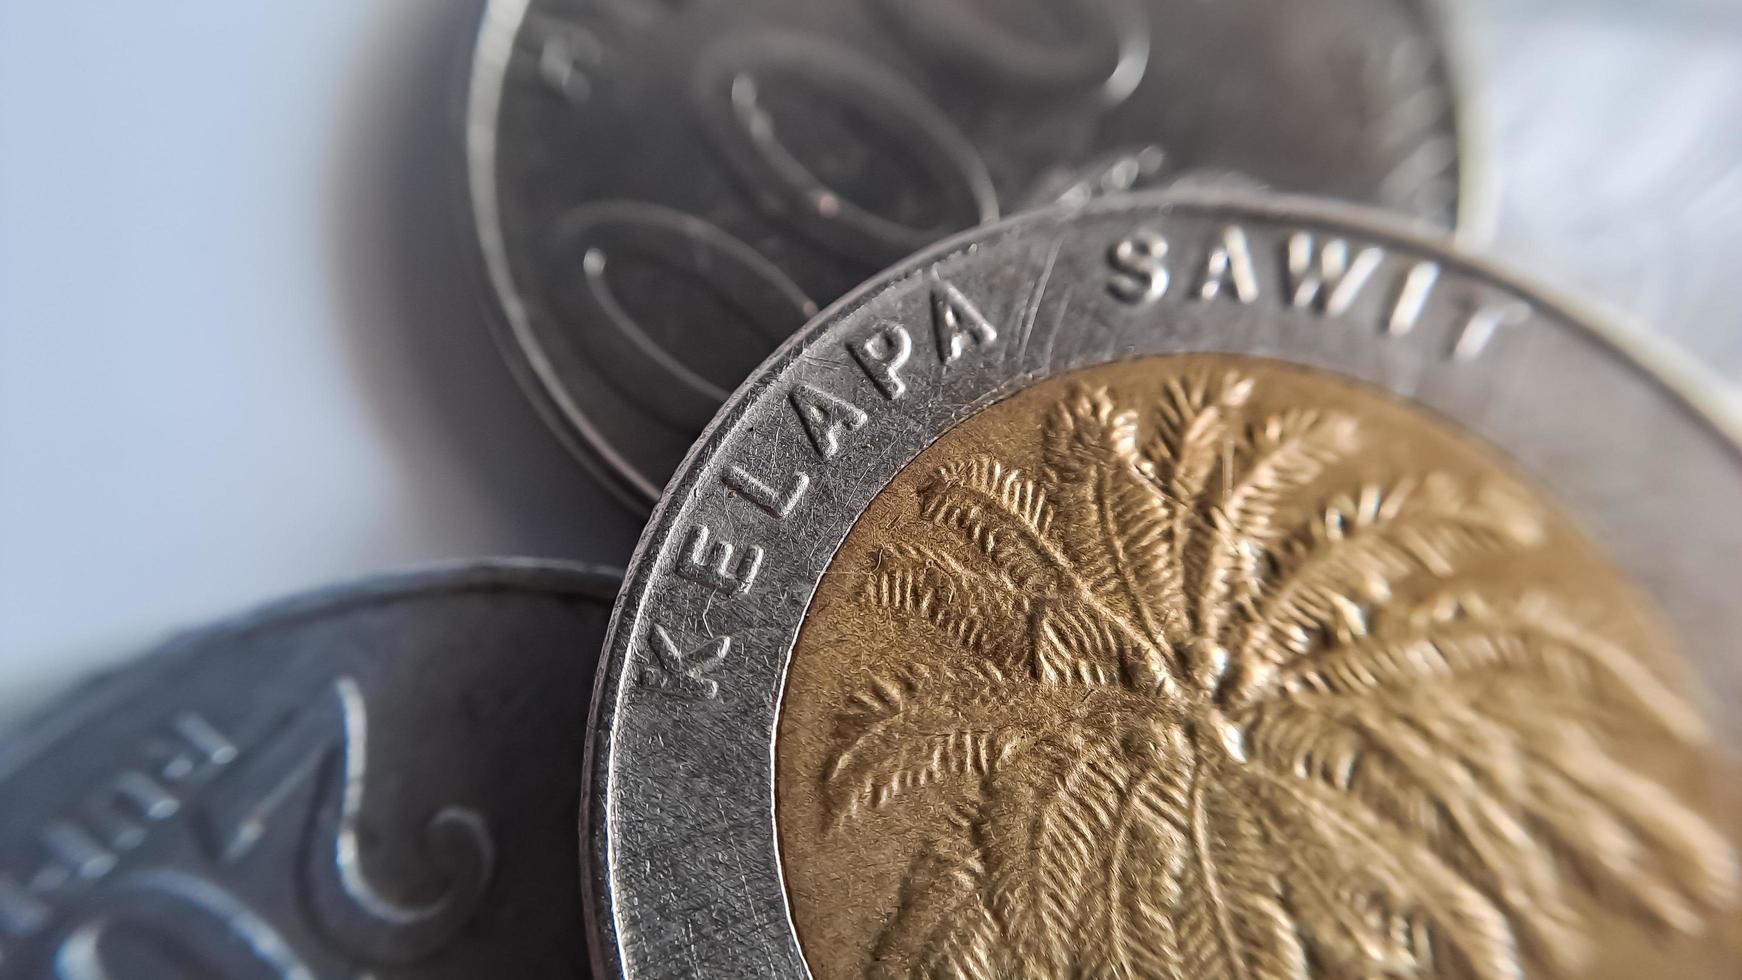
(242, 346)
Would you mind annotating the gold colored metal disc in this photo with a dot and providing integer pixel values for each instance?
(1208, 666)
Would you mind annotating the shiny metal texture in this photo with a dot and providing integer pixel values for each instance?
(376, 780)
(687, 872)
(664, 192)
(1055, 695)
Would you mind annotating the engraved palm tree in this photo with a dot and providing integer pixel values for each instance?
(1198, 728)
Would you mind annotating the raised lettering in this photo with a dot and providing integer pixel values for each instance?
(957, 322)
(881, 353)
(1229, 265)
(1139, 264)
(684, 672)
(1412, 297)
(825, 417)
(194, 750)
(709, 562)
(121, 809)
(1327, 279)
(776, 502)
(114, 819)
(1479, 330)
(78, 851)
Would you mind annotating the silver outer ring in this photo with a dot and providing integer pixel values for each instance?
(518, 341)
(685, 875)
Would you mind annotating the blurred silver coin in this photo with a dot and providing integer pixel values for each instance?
(378, 780)
(664, 191)
(1001, 478)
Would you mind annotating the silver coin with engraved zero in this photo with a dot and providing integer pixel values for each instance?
(1196, 585)
(664, 192)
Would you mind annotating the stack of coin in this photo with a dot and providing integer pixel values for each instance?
(666, 192)
(1102, 526)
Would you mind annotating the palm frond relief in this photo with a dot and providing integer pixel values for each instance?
(1209, 715)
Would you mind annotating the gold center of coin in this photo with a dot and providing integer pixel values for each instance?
(1211, 667)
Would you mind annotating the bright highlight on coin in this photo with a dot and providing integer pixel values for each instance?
(1183, 586)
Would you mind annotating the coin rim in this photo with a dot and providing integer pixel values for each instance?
(1690, 388)
(521, 347)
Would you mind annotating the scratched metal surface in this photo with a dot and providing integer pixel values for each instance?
(1616, 147)
(378, 780)
(685, 875)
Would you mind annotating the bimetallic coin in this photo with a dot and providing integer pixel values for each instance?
(1188, 586)
(374, 781)
(665, 191)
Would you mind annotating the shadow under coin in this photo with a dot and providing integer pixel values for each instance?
(481, 470)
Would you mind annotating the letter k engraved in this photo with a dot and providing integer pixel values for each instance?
(681, 672)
